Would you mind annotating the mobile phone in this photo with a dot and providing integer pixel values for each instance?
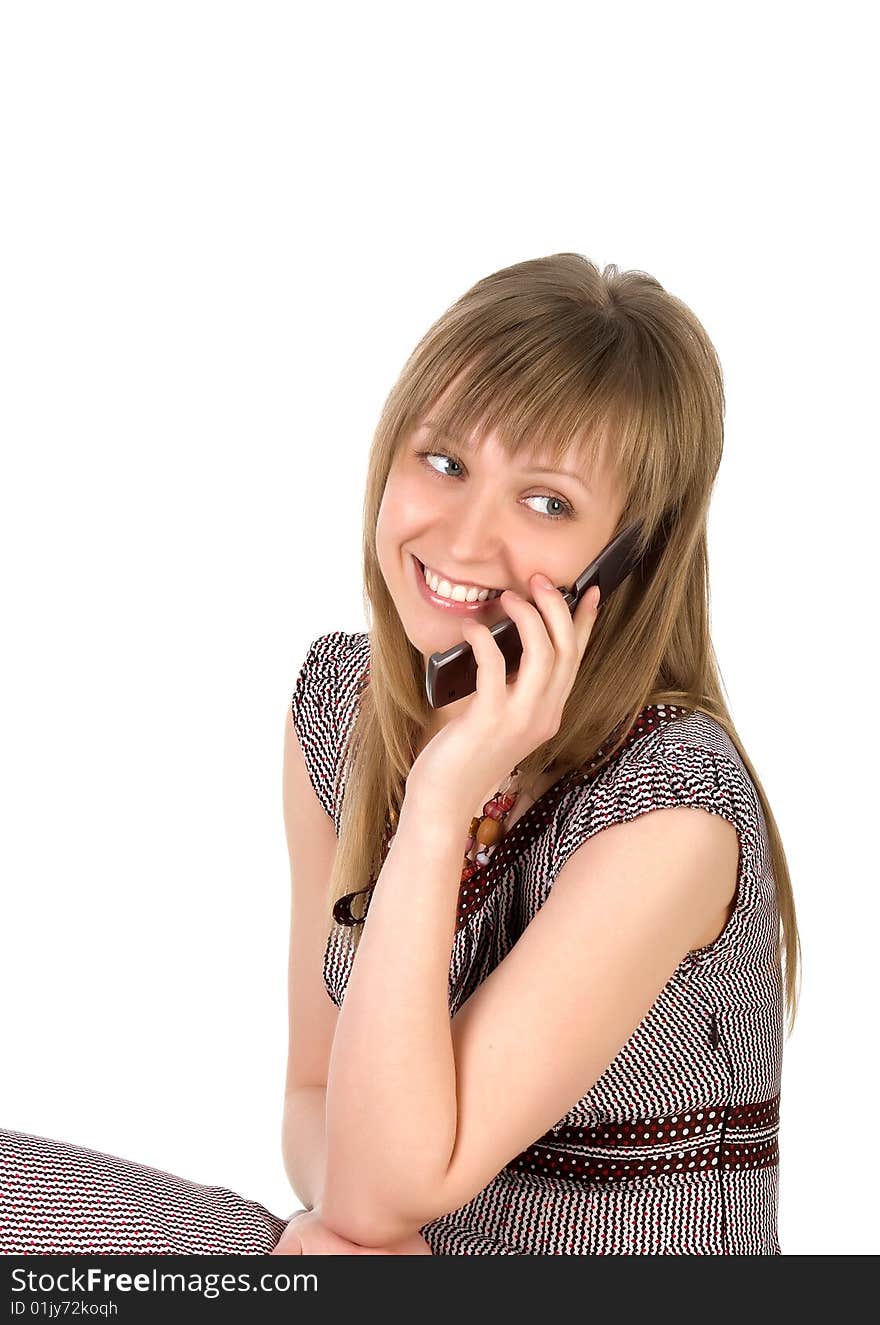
(452, 674)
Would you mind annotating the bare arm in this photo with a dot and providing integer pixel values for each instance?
(312, 1017)
(448, 1102)
(305, 1148)
(304, 1142)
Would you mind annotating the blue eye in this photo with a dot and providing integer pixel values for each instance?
(424, 457)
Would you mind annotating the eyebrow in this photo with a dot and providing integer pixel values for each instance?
(528, 469)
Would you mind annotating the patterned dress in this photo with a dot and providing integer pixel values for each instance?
(60, 1199)
(674, 1150)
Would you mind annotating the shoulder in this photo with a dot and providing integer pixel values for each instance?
(699, 764)
(324, 698)
(333, 666)
(688, 762)
(332, 655)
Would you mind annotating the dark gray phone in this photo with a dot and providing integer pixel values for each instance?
(452, 674)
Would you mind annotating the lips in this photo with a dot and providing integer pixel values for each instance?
(468, 584)
(447, 604)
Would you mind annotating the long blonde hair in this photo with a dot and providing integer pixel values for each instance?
(553, 352)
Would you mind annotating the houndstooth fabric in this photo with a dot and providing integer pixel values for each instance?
(674, 1150)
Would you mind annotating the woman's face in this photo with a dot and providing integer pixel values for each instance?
(479, 520)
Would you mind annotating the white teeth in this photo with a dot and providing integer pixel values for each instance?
(459, 593)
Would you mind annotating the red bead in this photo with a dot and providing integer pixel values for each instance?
(499, 807)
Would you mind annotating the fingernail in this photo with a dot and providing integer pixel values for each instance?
(542, 580)
(596, 594)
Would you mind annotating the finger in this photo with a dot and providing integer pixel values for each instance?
(570, 633)
(584, 617)
(289, 1245)
(563, 625)
(491, 666)
(538, 650)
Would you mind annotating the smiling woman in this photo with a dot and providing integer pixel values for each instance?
(565, 891)
(536, 989)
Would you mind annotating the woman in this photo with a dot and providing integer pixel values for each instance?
(567, 1040)
(554, 1021)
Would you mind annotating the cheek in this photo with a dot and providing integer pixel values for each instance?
(396, 526)
(404, 510)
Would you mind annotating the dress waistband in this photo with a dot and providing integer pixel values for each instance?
(717, 1136)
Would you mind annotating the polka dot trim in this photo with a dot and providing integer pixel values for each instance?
(660, 1145)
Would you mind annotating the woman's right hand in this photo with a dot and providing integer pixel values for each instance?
(307, 1235)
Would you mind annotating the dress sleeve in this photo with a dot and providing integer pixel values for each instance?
(667, 777)
(315, 716)
(672, 775)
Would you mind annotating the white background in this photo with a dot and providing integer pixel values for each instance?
(224, 228)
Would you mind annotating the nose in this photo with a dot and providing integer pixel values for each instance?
(471, 537)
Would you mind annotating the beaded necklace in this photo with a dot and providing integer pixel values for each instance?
(485, 832)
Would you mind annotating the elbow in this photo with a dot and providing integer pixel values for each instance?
(378, 1208)
(376, 1228)
(370, 1221)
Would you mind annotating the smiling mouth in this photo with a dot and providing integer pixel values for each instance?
(483, 595)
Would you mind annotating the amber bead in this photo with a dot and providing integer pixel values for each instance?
(489, 832)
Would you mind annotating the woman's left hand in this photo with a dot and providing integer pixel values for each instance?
(506, 721)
